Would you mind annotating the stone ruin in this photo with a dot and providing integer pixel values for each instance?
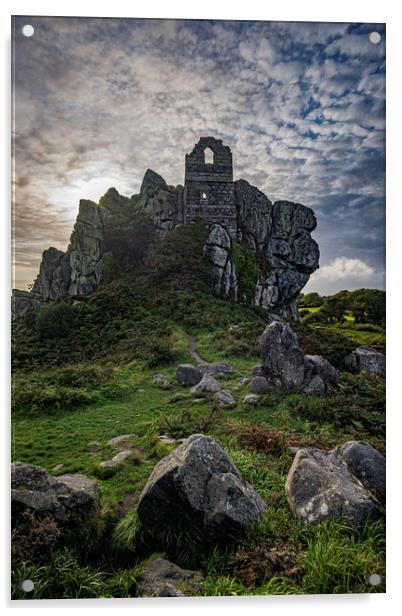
(277, 234)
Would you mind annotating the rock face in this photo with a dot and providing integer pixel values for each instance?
(366, 358)
(277, 234)
(198, 484)
(22, 300)
(70, 499)
(348, 481)
(285, 365)
(161, 578)
(282, 357)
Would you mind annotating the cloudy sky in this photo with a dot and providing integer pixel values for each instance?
(302, 106)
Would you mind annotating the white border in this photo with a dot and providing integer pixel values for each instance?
(342, 10)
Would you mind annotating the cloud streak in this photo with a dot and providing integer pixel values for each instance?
(98, 101)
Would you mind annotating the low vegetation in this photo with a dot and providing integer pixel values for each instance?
(77, 386)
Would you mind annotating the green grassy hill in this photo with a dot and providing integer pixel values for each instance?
(83, 373)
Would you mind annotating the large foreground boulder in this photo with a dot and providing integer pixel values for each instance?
(161, 578)
(348, 482)
(70, 499)
(366, 358)
(197, 485)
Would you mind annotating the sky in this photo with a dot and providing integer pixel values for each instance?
(302, 106)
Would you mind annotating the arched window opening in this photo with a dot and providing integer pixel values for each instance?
(208, 156)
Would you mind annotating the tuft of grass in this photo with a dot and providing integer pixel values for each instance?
(126, 535)
(61, 578)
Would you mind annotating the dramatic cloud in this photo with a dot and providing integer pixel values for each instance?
(343, 273)
(98, 101)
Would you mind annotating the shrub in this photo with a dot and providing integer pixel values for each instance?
(33, 538)
(56, 320)
(162, 354)
(332, 345)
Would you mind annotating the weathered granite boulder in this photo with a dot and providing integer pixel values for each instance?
(281, 355)
(315, 386)
(259, 385)
(161, 578)
(54, 276)
(366, 358)
(162, 382)
(286, 367)
(162, 203)
(207, 385)
(345, 482)
(367, 464)
(315, 365)
(251, 399)
(187, 374)
(198, 484)
(22, 300)
(225, 398)
(70, 499)
(279, 234)
(120, 457)
(215, 367)
(217, 250)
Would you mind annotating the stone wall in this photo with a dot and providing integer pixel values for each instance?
(209, 192)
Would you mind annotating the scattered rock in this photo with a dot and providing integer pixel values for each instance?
(70, 499)
(116, 441)
(322, 484)
(141, 390)
(315, 365)
(225, 398)
(259, 385)
(243, 380)
(251, 399)
(216, 367)
(187, 374)
(199, 483)
(161, 381)
(366, 358)
(117, 459)
(367, 464)
(162, 578)
(207, 385)
(22, 300)
(315, 387)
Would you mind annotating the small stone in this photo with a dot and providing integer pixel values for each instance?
(207, 385)
(162, 578)
(166, 439)
(316, 387)
(117, 459)
(225, 398)
(259, 385)
(251, 399)
(118, 440)
(215, 368)
(141, 390)
(94, 444)
(161, 381)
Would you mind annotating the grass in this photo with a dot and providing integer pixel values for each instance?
(333, 557)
